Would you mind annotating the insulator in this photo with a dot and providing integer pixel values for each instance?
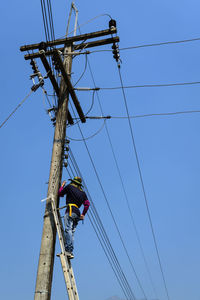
(114, 46)
(65, 164)
(42, 46)
(112, 23)
(67, 148)
(116, 56)
(34, 66)
(53, 119)
(115, 52)
(54, 124)
(66, 156)
(67, 141)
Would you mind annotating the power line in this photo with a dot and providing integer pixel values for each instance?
(12, 113)
(151, 45)
(51, 20)
(123, 188)
(85, 67)
(111, 213)
(98, 227)
(87, 22)
(89, 137)
(161, 44)
(157, 114)
(137, 278)
(151, 85)
(44, 16)
(142, 182)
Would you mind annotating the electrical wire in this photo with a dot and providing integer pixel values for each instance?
(87, 138)
(102, 236)
(87, 22)
(51, 20)
(158, 114)
(135, 117)
(104, 240)
(150, 45)
(105, 244)
(161, 44)
(89, 110)
(49, 28)
(111, 213)
(92, 104)
(85, 67)
(125, 194)
(151, 85)
(137, 278)
(142, 183)
(20, 104)
(46, 96)
(44, 16)
(129, 293)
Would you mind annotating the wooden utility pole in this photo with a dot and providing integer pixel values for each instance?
(47, 250)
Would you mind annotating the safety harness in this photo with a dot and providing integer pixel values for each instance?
(70, 208)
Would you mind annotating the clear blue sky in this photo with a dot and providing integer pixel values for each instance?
(168, 149)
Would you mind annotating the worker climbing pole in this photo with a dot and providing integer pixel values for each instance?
(52, 220)
(75, 197)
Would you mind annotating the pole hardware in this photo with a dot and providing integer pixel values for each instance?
(53, 80)
(67, 148)
(36, 86)
(69, 85)
(112, 24)
(36, 72)
(50, 111)
(49, 70)
(77, 47)
(115, 52)
(42, 46)
(70, 40)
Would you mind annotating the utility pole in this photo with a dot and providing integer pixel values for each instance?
(47, 250)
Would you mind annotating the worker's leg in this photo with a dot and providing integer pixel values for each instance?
(68, 221)
(70, 226)
(75, 223)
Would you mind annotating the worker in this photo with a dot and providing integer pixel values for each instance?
(75, 197)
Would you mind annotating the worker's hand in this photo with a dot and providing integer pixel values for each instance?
(82, 217)
(63, 184)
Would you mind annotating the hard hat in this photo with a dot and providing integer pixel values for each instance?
(77, 180)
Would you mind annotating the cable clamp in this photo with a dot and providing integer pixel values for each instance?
(36, 86)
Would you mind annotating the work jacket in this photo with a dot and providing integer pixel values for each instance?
(75, 196)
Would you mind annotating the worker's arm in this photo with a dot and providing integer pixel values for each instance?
(62, 189)
(86, 204)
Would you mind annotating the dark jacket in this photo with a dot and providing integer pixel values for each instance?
(75, 196)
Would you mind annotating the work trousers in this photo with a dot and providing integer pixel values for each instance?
(70, 223)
